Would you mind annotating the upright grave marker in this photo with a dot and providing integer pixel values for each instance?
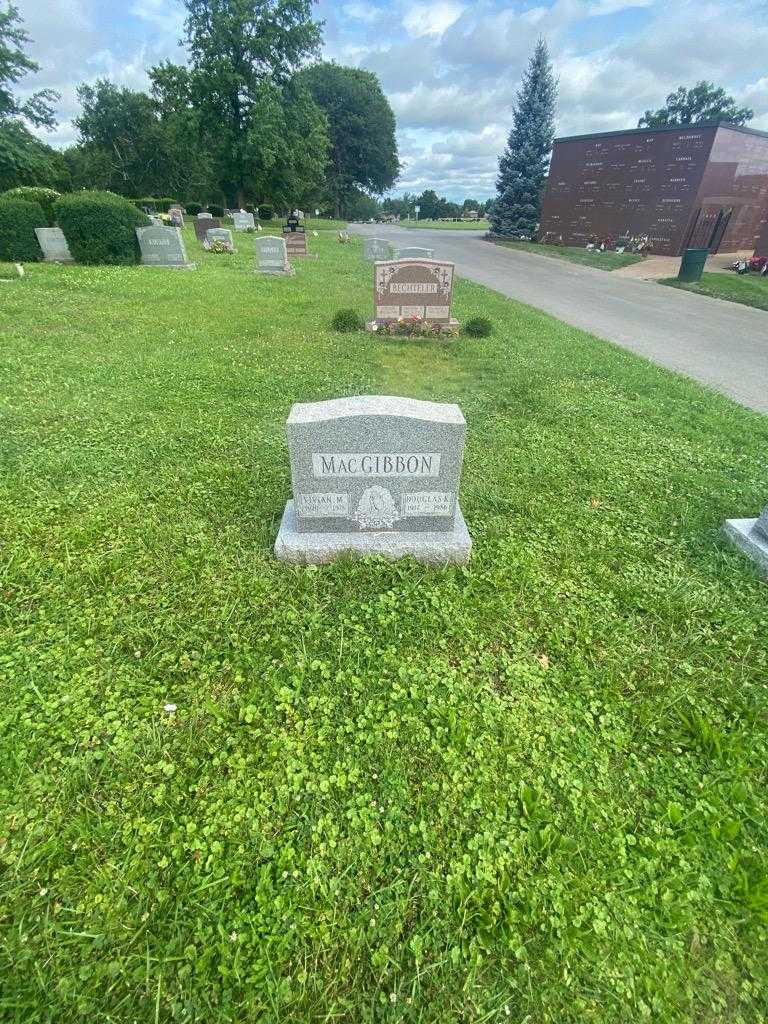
(54, 245)
(413, 288)
(375, 475)
(272, 255)
(204, 225)
(204, 215)
(751, 535)
(223, 235)
(295, 240)
(413, 252)
(376, 249)
(242, 221)
(162, 247)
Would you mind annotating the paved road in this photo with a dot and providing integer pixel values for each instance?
(718, 343)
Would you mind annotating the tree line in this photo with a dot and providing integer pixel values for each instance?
(248, 119)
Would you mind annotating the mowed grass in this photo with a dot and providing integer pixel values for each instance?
(748, 289)
(447, 225)
(531, 789)
(607, 260)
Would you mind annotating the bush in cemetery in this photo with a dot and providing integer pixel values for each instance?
(45, 197)
(478, 327)
(193, 208)
(100, 227)
(18, 220)
(215, 209)
(346, 321)
(265, 212)
(164, 205)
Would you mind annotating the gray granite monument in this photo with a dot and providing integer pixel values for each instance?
(413, 252)
(375, 475)
(54, 245)
(223, 235)
(751, 535)
(376, 249)
(272, 255)
(243, 221)
(413, 288)
(162, 247)
(203, 226)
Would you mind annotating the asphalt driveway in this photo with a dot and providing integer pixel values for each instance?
(720, 344)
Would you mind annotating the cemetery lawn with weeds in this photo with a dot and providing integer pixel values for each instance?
(587, 258)
(529, 789)
(747, 289)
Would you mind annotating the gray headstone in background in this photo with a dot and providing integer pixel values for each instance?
(751, 535)
(242, 221)
(413, 252)
(54, 245)
(177, 217)
(376, 249)
(162, 247)
(156, 221)
(408, 288)
(219, 235)
(202, 227)
(204, 215)
(375, 475)
(272, 255)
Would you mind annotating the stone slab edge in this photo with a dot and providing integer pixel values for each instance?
(743, 534)
(435, 549)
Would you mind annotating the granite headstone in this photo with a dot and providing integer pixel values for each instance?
(413, 288)
(54, 245)
(202, 226)
(376, 249)
(751, 535)
(162, 247)
(242, 221)
(413, 252)
(272, 255)
(375, 475)
(223, 235)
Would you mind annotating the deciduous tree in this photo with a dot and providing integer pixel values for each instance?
(705, 103)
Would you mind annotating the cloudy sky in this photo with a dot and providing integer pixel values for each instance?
(450, 68)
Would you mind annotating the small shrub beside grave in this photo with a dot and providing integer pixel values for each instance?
(215, 210)
(164, 204)
(478, 327)
(193, 208)
(44, 197)
(346, 321)
(100, 227)
(18, 220)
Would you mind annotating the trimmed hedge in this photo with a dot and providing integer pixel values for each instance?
(265, 212)
(164, 205)
(193, 209)
(215, 209)
(100, 227)
(44, 197)
(18, 220)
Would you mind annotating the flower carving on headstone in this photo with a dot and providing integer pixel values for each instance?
(377, 510)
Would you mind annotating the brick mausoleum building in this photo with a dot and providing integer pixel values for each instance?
(692, 187)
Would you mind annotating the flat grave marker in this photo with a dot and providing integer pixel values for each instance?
(54, 245)
(413, 252)
(375, 475)
(162, 247)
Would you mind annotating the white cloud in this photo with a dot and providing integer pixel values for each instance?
(432, 19)
(603, 7)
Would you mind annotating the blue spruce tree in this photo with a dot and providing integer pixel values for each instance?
(523, 165)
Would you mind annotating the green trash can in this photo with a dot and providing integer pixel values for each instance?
(692, 264)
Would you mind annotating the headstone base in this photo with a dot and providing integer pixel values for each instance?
(451, 548)
(163, 266)
(449, 327)
(743, 534)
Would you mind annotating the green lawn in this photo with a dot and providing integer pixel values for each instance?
(748, 289)
(442, 225)
(601, 260)
(531, 789)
